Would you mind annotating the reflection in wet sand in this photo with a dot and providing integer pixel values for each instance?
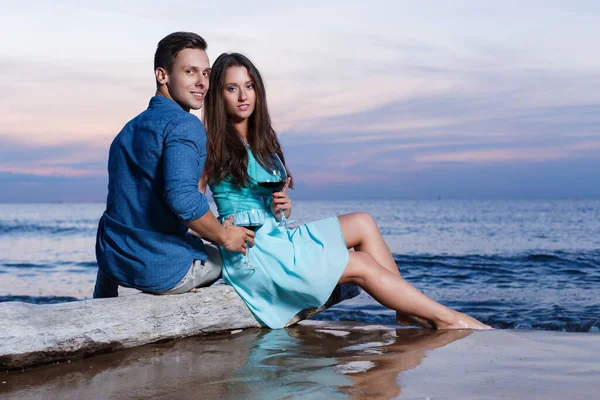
(337, 361)
(404, 352)
(192, 368)
(312, 360)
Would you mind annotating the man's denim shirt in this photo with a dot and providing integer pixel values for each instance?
(154, 166)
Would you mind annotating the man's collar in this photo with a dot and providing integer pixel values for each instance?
(162, 100)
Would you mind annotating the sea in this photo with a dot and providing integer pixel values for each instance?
(518, 264)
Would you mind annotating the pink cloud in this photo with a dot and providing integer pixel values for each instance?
(586, 145)
(52, 171)
(334, 177)
(493, 155)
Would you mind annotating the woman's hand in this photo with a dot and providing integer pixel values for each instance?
(281, 201)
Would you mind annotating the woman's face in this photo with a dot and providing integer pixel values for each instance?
(239, 94)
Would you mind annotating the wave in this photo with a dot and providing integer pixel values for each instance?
(552, 268)
(27, 265)
(500, 313)
(547, 290)
(82, 227)
(38, 299)
(542, 257)
(46, 265)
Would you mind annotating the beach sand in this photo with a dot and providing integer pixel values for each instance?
(321, 360)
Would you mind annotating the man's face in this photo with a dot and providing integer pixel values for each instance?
(187, 82)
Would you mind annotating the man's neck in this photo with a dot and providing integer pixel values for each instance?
(162, 92)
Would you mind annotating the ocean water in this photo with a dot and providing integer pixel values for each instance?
(524, 264)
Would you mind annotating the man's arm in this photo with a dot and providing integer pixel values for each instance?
(232, 238)
(183, 156)
(202, 184)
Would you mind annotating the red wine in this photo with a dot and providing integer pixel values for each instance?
(272, 186)
(251, 227)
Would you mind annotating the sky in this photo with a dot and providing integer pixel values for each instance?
(371, 100)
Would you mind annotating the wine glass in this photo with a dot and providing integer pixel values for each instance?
(244, 221)
(274, 181)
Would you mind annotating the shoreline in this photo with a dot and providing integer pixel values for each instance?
(331, 360)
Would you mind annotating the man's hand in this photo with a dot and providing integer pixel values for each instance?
(236, 238)
(232, 238)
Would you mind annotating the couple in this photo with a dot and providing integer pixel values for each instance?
(156, 212)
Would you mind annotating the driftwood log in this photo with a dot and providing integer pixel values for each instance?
(33, 335)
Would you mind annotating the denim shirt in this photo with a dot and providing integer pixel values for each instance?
(154, 166)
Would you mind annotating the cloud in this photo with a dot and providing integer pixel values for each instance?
(30, 188)
(474, 136)
(587, 146)
(556, 179)
(493, 156)
(526, 108)
(68, 159)
(359, 93)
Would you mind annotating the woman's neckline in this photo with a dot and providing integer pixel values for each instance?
(245, 143)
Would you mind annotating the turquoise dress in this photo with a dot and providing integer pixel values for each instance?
(292, 269)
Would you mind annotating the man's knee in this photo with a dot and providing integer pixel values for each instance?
(210, 270)
(200, 274)
(207, 273)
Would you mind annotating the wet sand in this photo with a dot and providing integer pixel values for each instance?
(317, 360)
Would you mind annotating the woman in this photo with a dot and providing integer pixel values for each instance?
(291, 270)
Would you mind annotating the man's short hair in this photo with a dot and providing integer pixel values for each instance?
(171, 45)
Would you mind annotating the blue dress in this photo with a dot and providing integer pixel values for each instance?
(292, 269)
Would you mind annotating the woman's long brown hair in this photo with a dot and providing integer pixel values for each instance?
(227, 157)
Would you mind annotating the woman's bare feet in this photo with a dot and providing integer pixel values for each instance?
(462, 321)
(458, 321)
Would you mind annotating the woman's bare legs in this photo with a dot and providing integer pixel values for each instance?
(361, 233)
(392, 291)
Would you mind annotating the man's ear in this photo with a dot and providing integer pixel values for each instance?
(162, 76)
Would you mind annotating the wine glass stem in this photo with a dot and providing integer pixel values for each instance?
(283, 219)
(246, 262)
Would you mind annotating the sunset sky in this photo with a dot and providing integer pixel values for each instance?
(377, 99)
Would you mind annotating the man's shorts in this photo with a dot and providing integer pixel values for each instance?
(201, 273)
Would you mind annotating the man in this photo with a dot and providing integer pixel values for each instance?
(154, 166)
